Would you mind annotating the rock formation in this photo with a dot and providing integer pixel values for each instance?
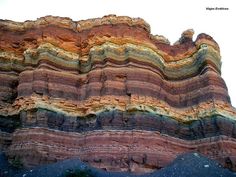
(109, 92)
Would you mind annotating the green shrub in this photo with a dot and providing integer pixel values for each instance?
(79, 173)
(16, 162)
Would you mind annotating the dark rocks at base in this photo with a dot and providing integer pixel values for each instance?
(191, 164)
(194, 165)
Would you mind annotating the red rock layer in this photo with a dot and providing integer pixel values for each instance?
(122, 82)
(18, 37)
(134, 150)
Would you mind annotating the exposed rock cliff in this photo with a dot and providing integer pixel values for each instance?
(109, 92)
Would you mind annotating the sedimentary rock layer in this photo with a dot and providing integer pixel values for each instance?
(117, 120)
(93, 86)
(136, 151)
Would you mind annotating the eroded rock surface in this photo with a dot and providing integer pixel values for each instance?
(109, 92)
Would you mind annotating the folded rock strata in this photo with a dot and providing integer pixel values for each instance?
(109, 92)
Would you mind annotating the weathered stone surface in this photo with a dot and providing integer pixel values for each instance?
(117, 150)
(117, 120)
(109, 92)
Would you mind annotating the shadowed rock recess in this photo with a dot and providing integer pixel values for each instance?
(107, 91)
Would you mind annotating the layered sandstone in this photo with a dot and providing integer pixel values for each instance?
(109, 92)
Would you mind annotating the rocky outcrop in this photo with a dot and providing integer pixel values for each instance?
(115, 150)
(109, 92)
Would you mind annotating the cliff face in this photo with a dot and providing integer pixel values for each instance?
(109, 92)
